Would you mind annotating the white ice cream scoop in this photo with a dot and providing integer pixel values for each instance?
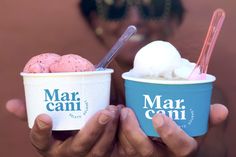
(160, 59)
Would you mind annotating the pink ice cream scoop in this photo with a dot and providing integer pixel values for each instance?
(41, 63)
(52, 63)
(72, 63)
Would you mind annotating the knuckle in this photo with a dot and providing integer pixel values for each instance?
(95, 132)
(78, 150)
(167, 134)
(147, 153)
(97, 154)
(130, 152)
(112, 108)
(39, 147)
(127, 129)
(110, 130)
(189, 150)
(100, 152)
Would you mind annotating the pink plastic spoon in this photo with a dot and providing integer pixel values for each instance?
(200, 70)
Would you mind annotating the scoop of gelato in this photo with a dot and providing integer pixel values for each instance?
(72, 63)
(53, 63)
(160, 59)
(41, 63)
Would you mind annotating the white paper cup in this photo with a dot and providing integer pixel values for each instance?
(70, 98)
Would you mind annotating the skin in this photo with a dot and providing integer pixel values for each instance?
(98, 133)
(99, 138)
(96, 136)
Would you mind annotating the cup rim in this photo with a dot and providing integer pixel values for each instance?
(96, 72)
(209, 78)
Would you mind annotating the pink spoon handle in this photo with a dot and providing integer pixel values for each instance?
(209, 44)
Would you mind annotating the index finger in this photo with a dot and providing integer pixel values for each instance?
(17, 108)
(131, 137)
(87, 137)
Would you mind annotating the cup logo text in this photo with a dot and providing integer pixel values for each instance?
(62, 101)
(175, 109)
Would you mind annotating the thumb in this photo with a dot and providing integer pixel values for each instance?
(41, 133)
(218, 114)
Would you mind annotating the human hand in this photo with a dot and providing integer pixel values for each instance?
(96, 138)
(174, 142)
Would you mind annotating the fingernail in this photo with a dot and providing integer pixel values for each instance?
(124, 114)
(104, 119)
(41, 124)
(159, 120)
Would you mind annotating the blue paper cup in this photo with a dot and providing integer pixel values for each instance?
(187, 102)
